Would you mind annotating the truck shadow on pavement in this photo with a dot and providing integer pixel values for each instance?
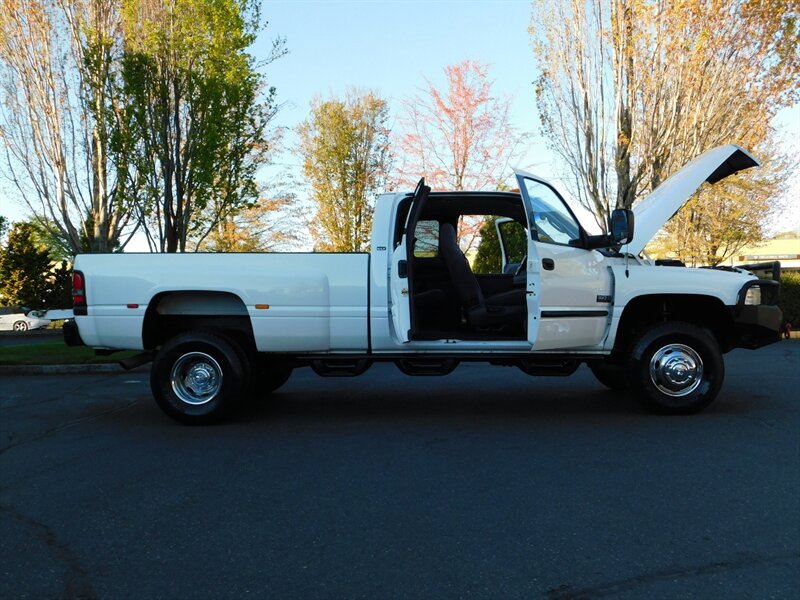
(450, 398)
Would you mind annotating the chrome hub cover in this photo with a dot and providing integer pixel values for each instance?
(196, 378)
(676, 370)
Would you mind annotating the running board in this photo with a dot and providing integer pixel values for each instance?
(559, 367)
(426, 366)
(340, 367)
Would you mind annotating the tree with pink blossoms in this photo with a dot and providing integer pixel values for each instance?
(458, 138)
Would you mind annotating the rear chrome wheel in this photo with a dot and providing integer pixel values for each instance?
(20, 326)
(196, 378)
(199, 377)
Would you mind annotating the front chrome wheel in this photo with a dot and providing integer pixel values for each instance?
(676, 370)
(675, 367)
(196, 378)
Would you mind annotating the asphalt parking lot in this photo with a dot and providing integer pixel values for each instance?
(483, 484)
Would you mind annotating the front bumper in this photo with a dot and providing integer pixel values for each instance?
(757, 325)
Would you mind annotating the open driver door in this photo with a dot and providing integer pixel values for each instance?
(400, 269)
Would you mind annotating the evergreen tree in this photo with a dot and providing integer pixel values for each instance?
(489, 258)
(24, 269)
(59, 286)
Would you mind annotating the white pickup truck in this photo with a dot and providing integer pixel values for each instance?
(221, 327)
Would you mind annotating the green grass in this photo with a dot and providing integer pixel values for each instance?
(55, 353)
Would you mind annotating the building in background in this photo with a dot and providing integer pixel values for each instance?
(784, 248)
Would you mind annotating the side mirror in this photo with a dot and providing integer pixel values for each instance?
(621, 226)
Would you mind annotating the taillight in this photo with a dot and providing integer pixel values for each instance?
(78, 293)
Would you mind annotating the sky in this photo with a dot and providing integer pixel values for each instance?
(393, 46)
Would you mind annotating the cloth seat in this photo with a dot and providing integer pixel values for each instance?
(506, 310)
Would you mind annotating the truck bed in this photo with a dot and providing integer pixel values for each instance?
(296, 302)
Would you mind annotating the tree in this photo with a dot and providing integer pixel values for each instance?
(630, 90)
(58, 293)
(458, 138)
(45, 235)
(575, 92)
(264, 227)
(200, 112)
(61, 118)
(489, 258)
(24, 269)
(344, 145)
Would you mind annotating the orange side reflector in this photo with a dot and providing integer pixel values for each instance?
(262, 306)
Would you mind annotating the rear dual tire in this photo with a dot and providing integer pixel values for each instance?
(268, 375)
(612, 376)
(200, 378)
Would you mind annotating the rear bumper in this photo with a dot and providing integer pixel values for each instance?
(72, 336)
(757, 326)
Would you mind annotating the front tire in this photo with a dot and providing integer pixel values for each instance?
(675, 368)
(199, 378)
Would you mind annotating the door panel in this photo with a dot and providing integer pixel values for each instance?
(399, 306)
(533, 287)
(400, 271)
(572, 286)
(574, 312)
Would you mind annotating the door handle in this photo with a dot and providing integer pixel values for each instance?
(548, 264)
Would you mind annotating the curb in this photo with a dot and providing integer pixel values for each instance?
(66, 369)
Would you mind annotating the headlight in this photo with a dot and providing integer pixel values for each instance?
(753, 295)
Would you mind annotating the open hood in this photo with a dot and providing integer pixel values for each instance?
(667, 199)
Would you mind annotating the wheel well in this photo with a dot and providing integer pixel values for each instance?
(704, 311)
(171, 313)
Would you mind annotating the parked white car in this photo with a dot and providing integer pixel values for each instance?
(16, 318)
